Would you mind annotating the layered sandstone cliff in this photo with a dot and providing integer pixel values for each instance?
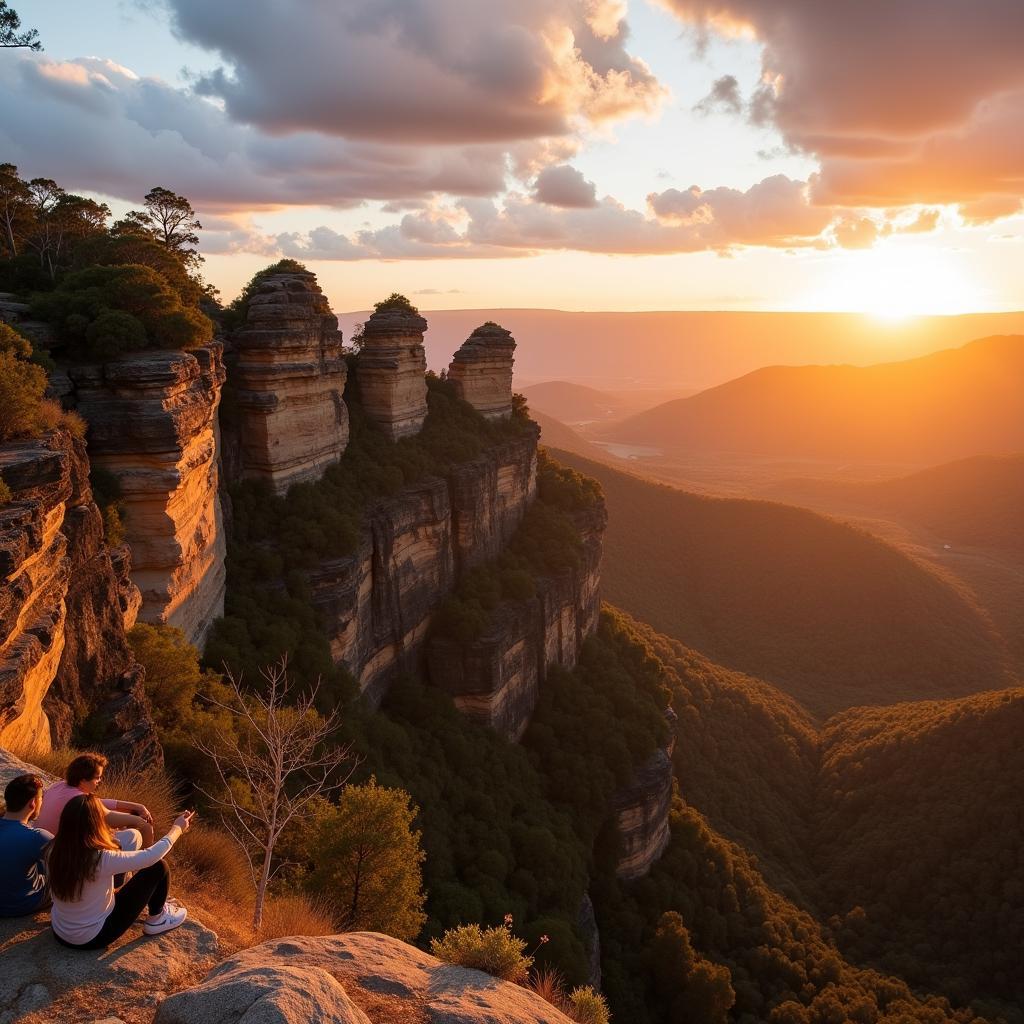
(287, 376)
(152, 423)
(391, 372)
(642, 813)
(481, 370)
(496, 678)
(63, 654)
(376, 604)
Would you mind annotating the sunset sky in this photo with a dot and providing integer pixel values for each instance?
(575, 154)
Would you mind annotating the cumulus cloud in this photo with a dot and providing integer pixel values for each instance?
(724, 96)
(984, 211)
(102, 128)
(775, 211)
(855, 232)
(423, 71)
(564, 186)
(917, 101)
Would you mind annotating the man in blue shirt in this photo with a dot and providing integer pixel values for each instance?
(23, 888)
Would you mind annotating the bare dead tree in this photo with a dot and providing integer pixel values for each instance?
(280, 759)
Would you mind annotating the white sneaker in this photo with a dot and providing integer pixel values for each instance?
(171, 917)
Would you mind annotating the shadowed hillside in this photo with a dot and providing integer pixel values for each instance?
(897, 828)
(555, 434)
(827, 612)
(954, 403)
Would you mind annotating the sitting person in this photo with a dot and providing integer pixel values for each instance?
(83, 861)
(84, 775)
(23, 888)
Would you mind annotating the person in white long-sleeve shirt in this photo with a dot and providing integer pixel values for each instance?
(83, 860)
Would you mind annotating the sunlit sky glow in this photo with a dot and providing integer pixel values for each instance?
(542, 155)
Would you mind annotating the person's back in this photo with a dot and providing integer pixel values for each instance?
(84, 775)
(23, 887)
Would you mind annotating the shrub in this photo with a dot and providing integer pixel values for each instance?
(211, 853)
(395, 301)
(585, 1006)
(12, 341)
(106, 310)
(493, 950)
(21, 396)
(5, 492)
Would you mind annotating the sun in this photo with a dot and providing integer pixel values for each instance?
(893, 282)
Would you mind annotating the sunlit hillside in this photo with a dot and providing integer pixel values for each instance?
(829, 613)
(946, 405)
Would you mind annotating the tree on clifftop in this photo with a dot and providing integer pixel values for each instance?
(274, 768)
(369, 860)
(10, 37)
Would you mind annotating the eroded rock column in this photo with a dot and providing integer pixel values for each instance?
(391, 372)
(481, 370)
(151, 423)
(287, 377)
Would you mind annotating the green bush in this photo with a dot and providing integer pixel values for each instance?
(587, 1006)
(234, 315)
(103, 311)
(493, 950)
(22, 384)
(395, 301)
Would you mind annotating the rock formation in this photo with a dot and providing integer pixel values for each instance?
(44, 982)
(152, 420)
(287, 381)
(481, 370)
(376, 604)
(641, 810)
(391, 372)
(354, 978)
(63, 653)
(496, 678)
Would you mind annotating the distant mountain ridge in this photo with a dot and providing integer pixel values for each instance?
(938, 407)
(691, 349)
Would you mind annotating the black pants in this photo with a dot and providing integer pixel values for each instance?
(147, 888)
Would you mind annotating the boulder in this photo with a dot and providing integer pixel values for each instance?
(302, 979)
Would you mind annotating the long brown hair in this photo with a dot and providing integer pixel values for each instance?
(82, 835)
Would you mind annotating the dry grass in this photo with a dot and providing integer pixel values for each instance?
(550, 986)
(295, 915)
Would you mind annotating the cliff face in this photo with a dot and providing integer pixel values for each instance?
(152, 423)
(287, 378)
(481, 370)
(377, 604)
(63, 654)
(391, 372)
(641, 811)
(496, 678)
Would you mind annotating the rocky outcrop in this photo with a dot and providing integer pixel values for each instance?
(152, 419)
(376, 604)
(42, 981)
(287, 377)
(496, 678)
(63, 654)
(641, 811)
(481, 370)
(586, 926)
(356, 978)
(390, 372)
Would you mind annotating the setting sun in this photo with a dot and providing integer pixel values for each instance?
(894, 282)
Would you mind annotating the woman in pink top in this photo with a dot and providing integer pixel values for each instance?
(83, 860)
(84, 775)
